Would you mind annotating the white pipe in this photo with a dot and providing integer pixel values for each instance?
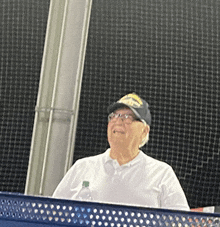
(53, 100)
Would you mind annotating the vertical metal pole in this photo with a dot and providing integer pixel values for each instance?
(59, 93)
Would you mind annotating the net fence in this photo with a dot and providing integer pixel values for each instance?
(168, 53)
(23, 27)
(165, 51)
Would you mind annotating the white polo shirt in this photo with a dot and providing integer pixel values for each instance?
(144, 181)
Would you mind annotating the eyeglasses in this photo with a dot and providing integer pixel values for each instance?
(126, 118)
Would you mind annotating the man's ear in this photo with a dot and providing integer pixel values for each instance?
(146, 130)
(145, 135)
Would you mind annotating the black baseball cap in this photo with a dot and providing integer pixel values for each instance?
(138, 105)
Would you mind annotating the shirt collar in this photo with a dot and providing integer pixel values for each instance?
(137, 159)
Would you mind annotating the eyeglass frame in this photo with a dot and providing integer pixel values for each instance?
(123, 117)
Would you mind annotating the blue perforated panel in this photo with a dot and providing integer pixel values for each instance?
(39, 210)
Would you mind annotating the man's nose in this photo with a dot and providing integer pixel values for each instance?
(119, 119)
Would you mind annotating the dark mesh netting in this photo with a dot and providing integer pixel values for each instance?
(168, 53)
(23, 28)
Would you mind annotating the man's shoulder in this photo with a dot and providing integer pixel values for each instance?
(153, 161)
(90, 159)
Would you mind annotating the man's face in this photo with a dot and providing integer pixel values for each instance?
(125, 134)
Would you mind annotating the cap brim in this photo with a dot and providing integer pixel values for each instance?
(116, 106)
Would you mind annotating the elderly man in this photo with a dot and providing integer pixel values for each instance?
(124, 174)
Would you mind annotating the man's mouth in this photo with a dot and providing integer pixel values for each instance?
(118, 131)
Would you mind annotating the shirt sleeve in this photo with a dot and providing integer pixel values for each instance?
(172, 196)
(63, 190)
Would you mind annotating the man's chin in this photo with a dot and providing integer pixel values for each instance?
(119, 139)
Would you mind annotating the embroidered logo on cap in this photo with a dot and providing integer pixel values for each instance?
(132, 100)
